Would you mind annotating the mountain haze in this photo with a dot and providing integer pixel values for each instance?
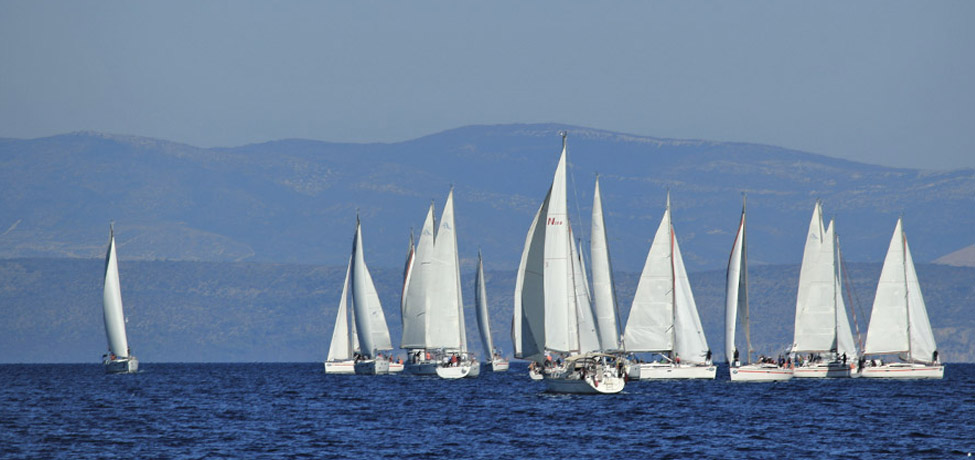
(295, 201)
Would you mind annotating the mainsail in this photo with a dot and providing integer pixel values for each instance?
(664, 316)
(370, 321)
(816, 317)
(480, 303)
(604, 293)
(899, 320)
(112, 303)
(344, 340)
(549, 298)
(736, 292)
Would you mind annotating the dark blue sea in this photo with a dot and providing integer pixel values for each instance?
(197, 411)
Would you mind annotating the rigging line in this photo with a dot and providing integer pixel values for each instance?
(575, 195)
(854, 299)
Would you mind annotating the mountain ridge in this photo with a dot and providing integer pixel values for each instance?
(294, 200)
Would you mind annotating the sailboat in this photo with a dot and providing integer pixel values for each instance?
(552, 308)
(119, 359)
(823, 344)
(736, 305)
(434, 332)
(345, 344)
(664, 317)
(604, 294)
(497, 362)
(899, 322)
(369, 319)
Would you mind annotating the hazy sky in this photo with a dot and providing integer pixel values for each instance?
(887, 82)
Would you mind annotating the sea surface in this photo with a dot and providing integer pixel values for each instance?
(196, 411)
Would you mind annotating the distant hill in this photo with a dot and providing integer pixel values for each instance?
(294, 201)
(964, 257)
(208, 311)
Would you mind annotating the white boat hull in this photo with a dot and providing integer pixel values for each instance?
(128, 365)
(498, 365)
(760, 373)
(453, 372)
(475, 369)
(395, 368)
(605, 384)
(340, 367)
(645, 371)
(904, 371)
(835, 369)
(372, 367)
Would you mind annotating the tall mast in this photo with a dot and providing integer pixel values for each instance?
(744, 276)
(673, 283)
(907, 305)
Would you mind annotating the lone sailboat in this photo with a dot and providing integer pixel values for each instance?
(370, 321)
(664, 317)
(899, 322)
(496, 362)
(345, 344)
(434, 332)
(736, 303)
(119, 359)
(552, 307)
(823, 345)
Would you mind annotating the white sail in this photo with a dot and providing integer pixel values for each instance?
(736, 293)
(923, 345)
(899, 321)
(604, 294)
(528, 320)
(815, 322)
(690, 344)
(585, 316)
(445, 325)
(888, 330)
(561, 330)
(481, 305)
(370, 321)
(651, 322)
(417, 298)
(112, 304)
(342, 347)
(844, 335)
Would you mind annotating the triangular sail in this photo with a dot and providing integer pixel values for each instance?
(736, 292)
(561, 333)
(844, 336)
(112, 303)
(604, 294)
(690, 344)
(417, 298)
(341, 347)
(370, 320)
(815, 321)
(481, 305)
(446, 323)
(586, 319)
(650, 325)
(923, 345)
(888, 329)
(528, 321)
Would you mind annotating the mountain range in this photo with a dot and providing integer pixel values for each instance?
(295, 201)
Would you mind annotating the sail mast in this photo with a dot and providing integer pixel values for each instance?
(907, 299)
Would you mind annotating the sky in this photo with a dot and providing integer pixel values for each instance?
(882, 82)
